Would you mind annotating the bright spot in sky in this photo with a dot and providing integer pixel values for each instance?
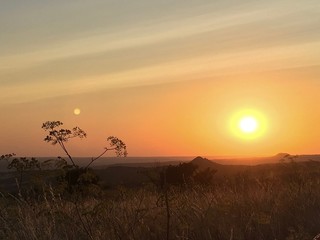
(76, 111)
(248, 124)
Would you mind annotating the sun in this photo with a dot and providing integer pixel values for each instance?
(248, 124)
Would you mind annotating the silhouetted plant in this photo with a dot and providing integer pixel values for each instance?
(115, 145)
(61, 136)
(74, 175)
(77, 179)
(7, 157)
(178, 175)
(186, 173)
(21, 165)
(204, 177)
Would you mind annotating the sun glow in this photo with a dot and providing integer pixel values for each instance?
(248, 124)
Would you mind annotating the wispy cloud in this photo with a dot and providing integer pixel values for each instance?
(208, 38)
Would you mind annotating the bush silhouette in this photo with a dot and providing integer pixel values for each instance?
(186, 173)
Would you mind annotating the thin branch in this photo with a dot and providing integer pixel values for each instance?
(96, 158)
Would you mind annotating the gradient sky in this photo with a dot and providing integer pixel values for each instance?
(164, 76)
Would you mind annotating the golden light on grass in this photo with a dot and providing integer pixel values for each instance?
(76, 111)
(248, 124)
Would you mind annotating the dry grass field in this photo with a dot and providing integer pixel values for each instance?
(284, 206)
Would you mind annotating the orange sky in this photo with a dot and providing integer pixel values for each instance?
(165, 78)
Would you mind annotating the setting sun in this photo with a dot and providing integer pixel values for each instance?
(248, 124)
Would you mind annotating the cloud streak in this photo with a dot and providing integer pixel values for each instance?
(186, 39)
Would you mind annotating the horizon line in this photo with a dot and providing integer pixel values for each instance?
(181, 156)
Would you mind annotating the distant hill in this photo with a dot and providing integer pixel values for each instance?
(264, 169)
(136, 173)
(222, 170)
(263, 160)
(161, 161)
(204, 163)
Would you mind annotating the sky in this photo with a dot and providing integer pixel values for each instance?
(167, 77)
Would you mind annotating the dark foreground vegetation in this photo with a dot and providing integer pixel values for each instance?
(196, 200)
(242, 206)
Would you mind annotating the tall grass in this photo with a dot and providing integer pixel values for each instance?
(282, 208)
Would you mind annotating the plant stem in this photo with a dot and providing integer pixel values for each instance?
(96, 158)
(66, 151)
